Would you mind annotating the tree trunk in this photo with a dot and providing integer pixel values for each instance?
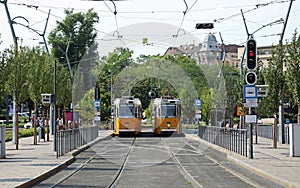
(17, 127)
(65, 117)
(34, 125)
(275, 131)
(299, 113)
(58, 112)
(231, 121)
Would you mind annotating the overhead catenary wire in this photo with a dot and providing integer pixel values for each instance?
(257, 6)
(116, 21)
(187, 9)
(180, 32)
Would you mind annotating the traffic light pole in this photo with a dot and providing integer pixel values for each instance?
(250, 133)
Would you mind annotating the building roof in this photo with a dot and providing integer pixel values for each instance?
(230, 48)
(210, 43)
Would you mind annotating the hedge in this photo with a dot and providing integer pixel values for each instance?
(22, 133)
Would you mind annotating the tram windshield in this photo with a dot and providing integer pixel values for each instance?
(126, 111)
(168, 111)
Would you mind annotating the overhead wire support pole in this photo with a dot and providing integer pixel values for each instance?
(67, 57)
(245, 23)
(40, 34)
(223, 55)
(10, 22)
(43, 35)
(281, 109)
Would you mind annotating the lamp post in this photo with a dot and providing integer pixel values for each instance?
(111, 99)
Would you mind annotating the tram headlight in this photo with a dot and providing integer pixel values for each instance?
(169, 124)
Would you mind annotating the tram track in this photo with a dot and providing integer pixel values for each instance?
(120, 172)
(151, 162)
(91, 158)
(189, 177)
(181, 168)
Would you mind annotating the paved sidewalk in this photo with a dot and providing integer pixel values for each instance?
(31, 162)
(274, 164)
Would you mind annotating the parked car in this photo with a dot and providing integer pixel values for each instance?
(28, 125)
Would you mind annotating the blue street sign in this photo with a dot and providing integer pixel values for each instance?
(198, 102)
(250, 91)
(97, 104)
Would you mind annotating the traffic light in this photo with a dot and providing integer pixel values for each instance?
(251, 54)
(251, 78)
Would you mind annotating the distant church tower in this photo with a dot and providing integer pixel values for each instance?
(210, 52)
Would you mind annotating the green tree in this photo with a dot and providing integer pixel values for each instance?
(77, 29)
(293, 70)
(63, 91)
(39, 73)
(274, 77)
(233, 90)
(16, 77)
(76, 32)
(110, 67)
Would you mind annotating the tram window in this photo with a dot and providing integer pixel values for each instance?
(126, 110)
(168, 111)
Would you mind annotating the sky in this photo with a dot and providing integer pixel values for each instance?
(162, 22)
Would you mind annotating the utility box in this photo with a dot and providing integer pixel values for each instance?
(2, 142)
(294, 132)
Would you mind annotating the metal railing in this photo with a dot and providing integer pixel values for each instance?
(69, 140)
(229, 138)
(267, 131)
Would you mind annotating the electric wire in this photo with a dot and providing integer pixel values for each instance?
(39, 5)
(116, 22)
(257, 6)
(179, 29)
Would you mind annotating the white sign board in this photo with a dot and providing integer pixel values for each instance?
(250, 118)
(251, 102)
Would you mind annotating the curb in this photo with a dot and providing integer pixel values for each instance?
(61, 166)
(48, 173)
(261, 173)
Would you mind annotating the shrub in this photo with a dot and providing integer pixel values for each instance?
(22, 133)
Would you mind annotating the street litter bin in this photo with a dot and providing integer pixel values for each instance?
(41, 131)
(2, 142)
(294, 130)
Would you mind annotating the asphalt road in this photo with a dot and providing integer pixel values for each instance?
(153, 162)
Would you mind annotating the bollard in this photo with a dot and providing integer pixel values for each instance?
(2, 142)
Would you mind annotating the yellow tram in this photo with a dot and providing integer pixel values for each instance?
(166, 113)
(127, 115)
